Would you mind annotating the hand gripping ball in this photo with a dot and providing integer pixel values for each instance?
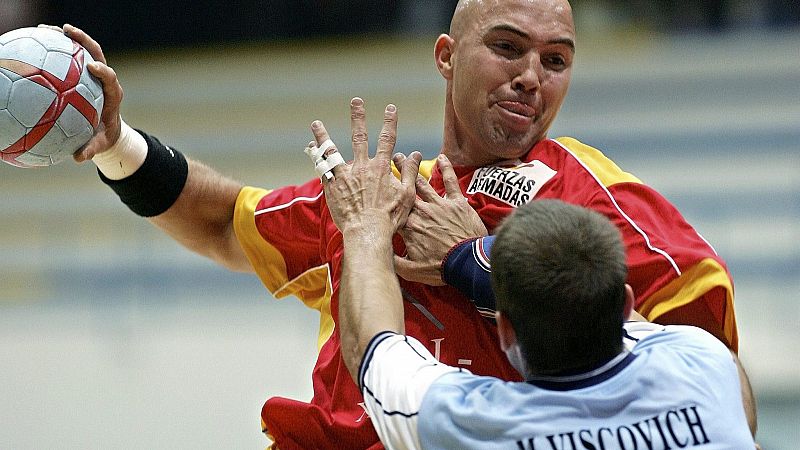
(49, 103)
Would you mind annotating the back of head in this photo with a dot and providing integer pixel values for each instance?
(559, 276)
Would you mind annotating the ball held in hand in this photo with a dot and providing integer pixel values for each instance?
(50, 104)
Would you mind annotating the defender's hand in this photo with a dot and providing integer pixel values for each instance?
(365, 195)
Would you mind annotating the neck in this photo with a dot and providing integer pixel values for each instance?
(577, 369)
(581, 380)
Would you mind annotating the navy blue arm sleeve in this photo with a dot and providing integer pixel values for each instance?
(467, 268)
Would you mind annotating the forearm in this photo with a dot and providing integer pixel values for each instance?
(189, 201)
(370, 300)
(201, 219)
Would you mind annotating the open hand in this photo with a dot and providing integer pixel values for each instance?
(364, 194)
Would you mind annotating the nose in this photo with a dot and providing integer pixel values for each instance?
(528, 74)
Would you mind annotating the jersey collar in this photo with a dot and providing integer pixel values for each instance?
(586, 379)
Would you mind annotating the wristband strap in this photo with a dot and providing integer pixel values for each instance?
(155, 186)
(124, 157)
(468, 269)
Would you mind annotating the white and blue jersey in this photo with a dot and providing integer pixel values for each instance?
(674, 387)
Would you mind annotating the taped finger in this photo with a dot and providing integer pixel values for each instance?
(325, 158)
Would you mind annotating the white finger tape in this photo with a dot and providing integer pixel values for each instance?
(324, 164)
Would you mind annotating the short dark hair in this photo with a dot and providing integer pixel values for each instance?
(559, 272)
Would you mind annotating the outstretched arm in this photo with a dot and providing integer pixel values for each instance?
(368, 205)
(186, 199)
(201, 219)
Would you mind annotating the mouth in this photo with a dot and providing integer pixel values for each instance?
(518, 108)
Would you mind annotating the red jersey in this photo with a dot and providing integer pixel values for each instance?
(296, 249)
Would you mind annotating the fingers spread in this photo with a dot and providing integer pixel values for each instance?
(319, 131)
(388, 136)
(358, 127)
(398, 159)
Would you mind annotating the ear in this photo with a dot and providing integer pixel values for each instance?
(629, 300)
(505, 331)
(443, 52)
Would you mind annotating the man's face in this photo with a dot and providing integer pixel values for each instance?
(511, 67)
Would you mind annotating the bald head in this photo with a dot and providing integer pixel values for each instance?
(460, 15)
(468, 11)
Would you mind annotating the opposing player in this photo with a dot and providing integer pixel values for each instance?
(507, 64)
(559, 276)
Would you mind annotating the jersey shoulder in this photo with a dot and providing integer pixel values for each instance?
(607, 172)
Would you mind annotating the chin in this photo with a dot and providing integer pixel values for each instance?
(504, 144)
(513, 150)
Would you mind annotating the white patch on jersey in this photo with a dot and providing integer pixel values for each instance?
(365, 414)
(514, 185)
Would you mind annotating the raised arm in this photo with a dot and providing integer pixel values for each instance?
(189, 201)
(368, 204)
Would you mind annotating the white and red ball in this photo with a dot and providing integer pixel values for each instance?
(49, 103)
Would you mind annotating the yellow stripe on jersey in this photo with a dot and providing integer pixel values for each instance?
(606, 170)
(265, 259)
(691, 285)
(312, 287)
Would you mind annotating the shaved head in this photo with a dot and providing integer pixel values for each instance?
(466, 11)
(460, 16)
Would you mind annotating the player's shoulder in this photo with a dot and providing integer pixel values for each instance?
(577, 147)
(645, 336)
(251, 195)
(464, 391)
(426, 168)
(593, 160)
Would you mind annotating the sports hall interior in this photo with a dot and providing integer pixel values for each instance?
(113, 336)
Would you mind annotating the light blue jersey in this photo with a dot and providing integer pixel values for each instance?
(674, 387)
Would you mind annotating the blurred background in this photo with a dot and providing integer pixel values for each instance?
(114, 337)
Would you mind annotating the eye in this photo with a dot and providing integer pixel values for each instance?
(504, 48)
(555, 62)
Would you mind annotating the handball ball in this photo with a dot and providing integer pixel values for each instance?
(49, 103)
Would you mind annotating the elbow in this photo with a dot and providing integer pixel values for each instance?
(227, 252)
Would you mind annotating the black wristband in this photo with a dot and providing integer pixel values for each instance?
(155, 186)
